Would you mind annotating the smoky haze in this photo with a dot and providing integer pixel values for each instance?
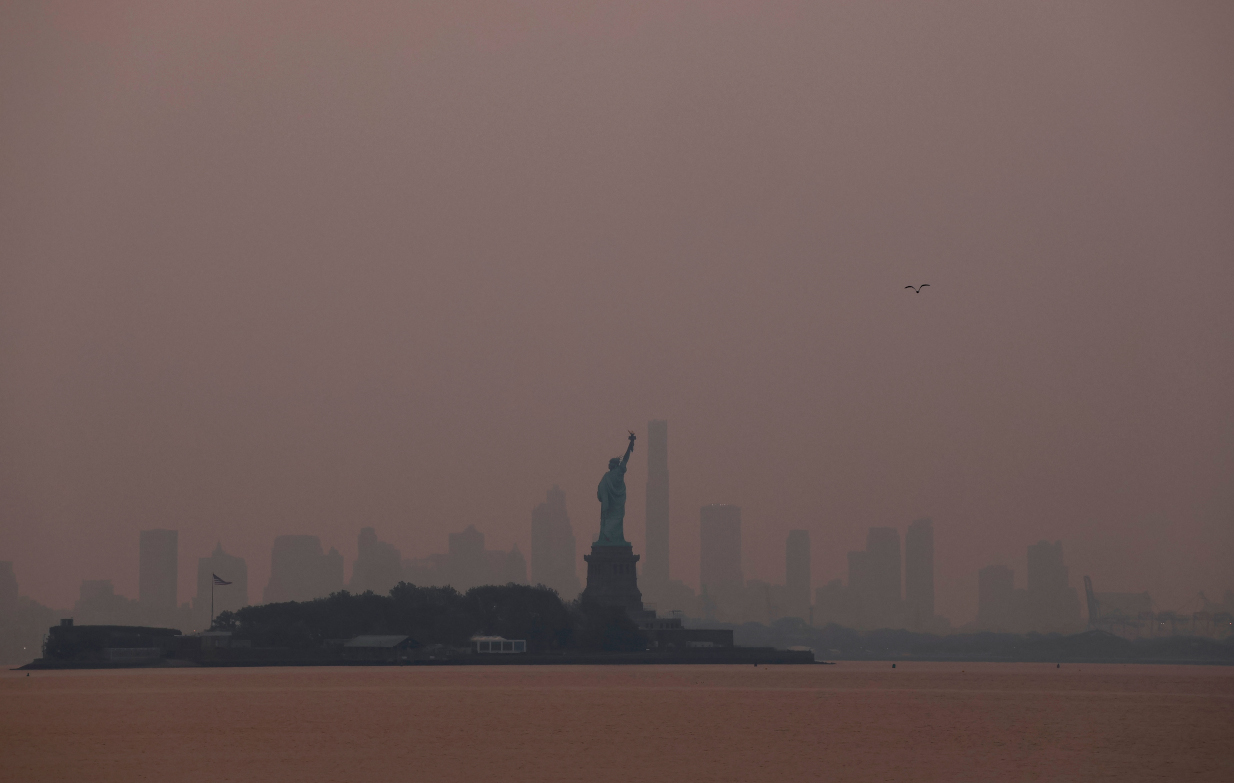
(291, 267)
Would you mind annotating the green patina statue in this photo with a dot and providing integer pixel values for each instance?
(612, 495)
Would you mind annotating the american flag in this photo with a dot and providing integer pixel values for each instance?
(218, 581)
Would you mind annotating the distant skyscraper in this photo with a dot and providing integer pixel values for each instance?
(158, 570)
(378, 566)
(996, 599)
(919, 573)
(468, 566)
(720, 552)
(299, 571)
(226, 599)
(797, 574)
(883, 560)
(1053, 605)
(655, 572)
(860, 592)
(554, 555)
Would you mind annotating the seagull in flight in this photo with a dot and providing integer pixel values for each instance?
(917, 290)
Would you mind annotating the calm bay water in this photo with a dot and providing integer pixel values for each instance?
(851, 721)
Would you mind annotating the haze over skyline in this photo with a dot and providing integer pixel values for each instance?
(299, 268)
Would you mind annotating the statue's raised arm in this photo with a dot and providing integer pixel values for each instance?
(629, 449)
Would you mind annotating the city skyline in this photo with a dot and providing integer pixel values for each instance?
(882, 589)
(962, 601)
(890, 587)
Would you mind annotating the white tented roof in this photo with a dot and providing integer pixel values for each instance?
(376, 641)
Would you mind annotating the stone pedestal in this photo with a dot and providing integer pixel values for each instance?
(612, 578)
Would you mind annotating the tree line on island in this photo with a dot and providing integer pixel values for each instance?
(439, 615)
(433, 616)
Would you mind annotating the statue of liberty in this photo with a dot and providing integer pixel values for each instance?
(612, 495)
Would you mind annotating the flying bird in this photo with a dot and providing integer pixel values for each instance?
(917, 290)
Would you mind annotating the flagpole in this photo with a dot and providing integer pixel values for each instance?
(211, 603)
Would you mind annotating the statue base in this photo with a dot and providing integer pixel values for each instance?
(612, 578)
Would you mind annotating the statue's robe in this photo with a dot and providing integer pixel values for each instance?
(612, 495)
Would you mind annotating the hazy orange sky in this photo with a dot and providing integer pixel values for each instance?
(274, 267)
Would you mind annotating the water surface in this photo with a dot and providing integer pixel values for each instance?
(852, 721)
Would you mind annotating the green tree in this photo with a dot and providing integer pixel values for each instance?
(536, 614)
(607, 628)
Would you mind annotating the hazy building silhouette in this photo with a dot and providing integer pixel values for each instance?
(1124, 612)
(873, 595)
(720, 572)
(797, 575)
(467, 564)
(860, 589)
(300, 571)
(655, 568)
(378, 566)
(676, 597)
(834, 603)
(505, 567)
(655, 576)
(98, 604)
(425, 571)
(226, 599)
(997, 604)
(23, 622)
(8, 588)
(1053, 604)
(760, 602)
(554, 553)
(1049, 604)
(158, 572)
(883, 602)
(919, 574)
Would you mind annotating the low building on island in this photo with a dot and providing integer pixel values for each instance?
(498, 645)
(107, 643)
(379, 648)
